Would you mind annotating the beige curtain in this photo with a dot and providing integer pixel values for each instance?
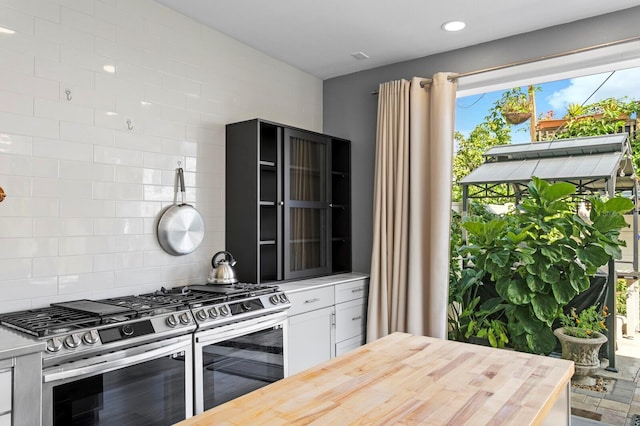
(412, 208)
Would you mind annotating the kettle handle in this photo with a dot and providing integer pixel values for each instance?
(226, 254)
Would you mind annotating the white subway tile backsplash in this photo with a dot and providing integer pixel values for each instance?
(85, 192)
(40, 8)
(111, 14)
(26, 125)
(61, 188)
(55, 148)
(82, 283)
(26, 289)
(29, 207)
(116, 191)
(137, 208)
(87, 208)
(16, 61)
(138, 141)
(70, 169)
(28, 247)
(63, 35)
(15, 144)
(16, 20)
(83, 6)
(62, 227)
(63, 110)
(119, 226)
(83, 22)
(119, 156)
(16, 227)
(16, 103)
(64, 73)
(86, 245)
(62, 265)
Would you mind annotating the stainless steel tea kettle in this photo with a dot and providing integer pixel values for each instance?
(222, 270)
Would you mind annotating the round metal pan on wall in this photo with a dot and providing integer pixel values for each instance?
(180, 228)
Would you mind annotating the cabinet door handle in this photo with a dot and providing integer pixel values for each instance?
(312, 300)
(356, 318)
(357, 290)
(281, 203)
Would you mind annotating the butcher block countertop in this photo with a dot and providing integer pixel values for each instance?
(407, 380)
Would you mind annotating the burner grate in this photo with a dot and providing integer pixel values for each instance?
(48, 321)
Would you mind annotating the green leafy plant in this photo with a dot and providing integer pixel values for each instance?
(586, 323)
(541, 256)
(515, 100)
(622, 294)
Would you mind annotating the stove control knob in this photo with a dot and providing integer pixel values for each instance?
(185, 318)
(274, 299)
(54, 344)
(213, 312)
(224, 310)
(201, 315)
(72, 341)
(127, 330)
(90, 337)
(283, 298)
(172, 320)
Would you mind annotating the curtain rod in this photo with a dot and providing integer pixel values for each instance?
(532, 60)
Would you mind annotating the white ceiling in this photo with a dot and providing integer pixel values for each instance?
(319, 36)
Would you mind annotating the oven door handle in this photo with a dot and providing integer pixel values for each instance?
(107, 366)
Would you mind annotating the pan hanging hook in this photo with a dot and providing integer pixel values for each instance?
(129, 125)
(68, 93)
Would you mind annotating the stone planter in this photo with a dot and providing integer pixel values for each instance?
(583, 352)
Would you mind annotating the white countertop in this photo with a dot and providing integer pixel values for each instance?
(324, 281)
(14, 344)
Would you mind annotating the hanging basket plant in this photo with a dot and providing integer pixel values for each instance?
(515, 106)
(516, 117)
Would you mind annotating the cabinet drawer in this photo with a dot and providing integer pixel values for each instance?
(349, 345)
(351, 318)
(6, 386)
(309, 300)
(351, 290)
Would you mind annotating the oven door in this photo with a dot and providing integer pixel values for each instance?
(149, 384)
(238, 358)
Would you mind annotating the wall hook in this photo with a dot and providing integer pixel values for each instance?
(68, 93)
(129, 125)
(2, 194)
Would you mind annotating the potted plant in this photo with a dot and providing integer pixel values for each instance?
(542, 255)
(515, 106)
(581, 338)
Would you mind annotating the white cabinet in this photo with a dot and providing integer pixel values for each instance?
(325, 322)
(6, 395)
(310, 337)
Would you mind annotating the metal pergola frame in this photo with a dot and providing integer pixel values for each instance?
(608, 169)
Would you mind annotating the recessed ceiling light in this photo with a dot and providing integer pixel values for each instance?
(360, 55)
(4, 30)
(453, 26)
(109, 68)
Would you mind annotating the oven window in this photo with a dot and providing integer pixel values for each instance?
(240, 365)
(151, 393)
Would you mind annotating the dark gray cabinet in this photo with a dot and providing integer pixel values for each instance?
(288, 195)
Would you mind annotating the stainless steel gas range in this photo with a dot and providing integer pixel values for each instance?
(133, 359)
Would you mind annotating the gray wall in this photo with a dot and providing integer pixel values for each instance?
(350, 110)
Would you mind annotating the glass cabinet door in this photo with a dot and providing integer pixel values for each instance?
(306, 249)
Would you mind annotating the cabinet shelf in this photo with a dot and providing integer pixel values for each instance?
(282, 201)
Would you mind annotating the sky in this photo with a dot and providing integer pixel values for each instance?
(553, 96)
